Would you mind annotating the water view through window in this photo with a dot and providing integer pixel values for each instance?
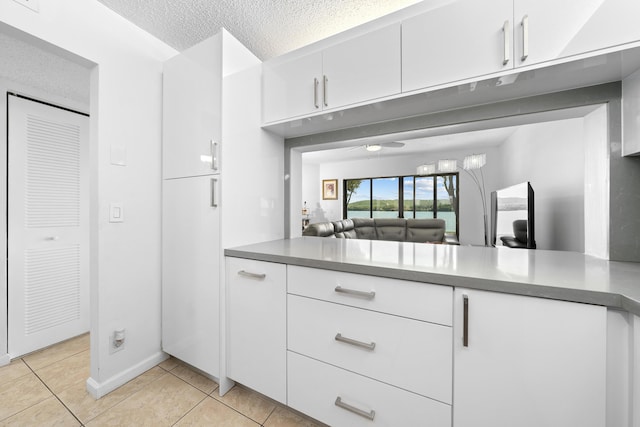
(434, 196)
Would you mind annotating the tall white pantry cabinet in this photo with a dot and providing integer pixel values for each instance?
(221, 174)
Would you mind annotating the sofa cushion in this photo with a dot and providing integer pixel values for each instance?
(320, 229)
(338, 229)
(365, 228)
(348, 229)
(425, 230)
(391, 229)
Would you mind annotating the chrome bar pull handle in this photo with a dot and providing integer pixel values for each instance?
(465, 321)
(315, 92)
(214, 155)
(525, 37)
(250, 275)
(368, 415)
(367, 346)
(325, 90)
(506, 29)
(214, 199)
(363, 294)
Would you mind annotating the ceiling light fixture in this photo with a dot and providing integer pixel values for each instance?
(373, 147)
(429, 169)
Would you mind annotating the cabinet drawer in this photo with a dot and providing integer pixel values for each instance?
(413, 355)
(431, 303)
(313, 388)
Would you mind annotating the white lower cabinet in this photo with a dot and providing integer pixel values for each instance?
(341, 398)
(357, 358)
(528, 362)
(256, 324)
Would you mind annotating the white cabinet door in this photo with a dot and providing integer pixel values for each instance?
(529, 362)
(257, 326)
(456, 40)
(365, 68)
(190, 272)
(192, 111)
(357, 70)
(560, 29)
(292, 88)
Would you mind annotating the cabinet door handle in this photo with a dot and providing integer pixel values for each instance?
(465, 321)
(525, 37)
(214, 199)
(506, 29)
(325, 91)
(368, 415)
(260, 276)
(315, 92)
(363, 294)
(214, 155)
(368, 346)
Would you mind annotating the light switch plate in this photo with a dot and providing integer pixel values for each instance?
(116, 212)
(118, 155)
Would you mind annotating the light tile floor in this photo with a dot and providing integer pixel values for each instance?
(47, 388)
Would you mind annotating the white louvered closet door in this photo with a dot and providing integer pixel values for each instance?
(48, 263)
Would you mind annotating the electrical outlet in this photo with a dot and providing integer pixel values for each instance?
(31, 4)
(116, 341)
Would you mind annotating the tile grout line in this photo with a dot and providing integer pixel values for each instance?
(190, 410)
(217, 400)
(54, 394)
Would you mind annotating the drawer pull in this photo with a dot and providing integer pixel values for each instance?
(252, 275)
(368, 346)
(368, 415)
(506, 29)
(363, 294)
(465, 321)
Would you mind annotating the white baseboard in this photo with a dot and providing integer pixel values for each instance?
(97, 390)
(5, 359)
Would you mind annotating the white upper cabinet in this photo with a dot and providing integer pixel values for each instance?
(365, 68)
(192, 100)
(292, 88)
(456, 40)
(546, 29)
(357, 70)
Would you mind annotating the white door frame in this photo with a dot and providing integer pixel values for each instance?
(10, 86)
(59, 237)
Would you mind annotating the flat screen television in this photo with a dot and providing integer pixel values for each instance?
(513, 217)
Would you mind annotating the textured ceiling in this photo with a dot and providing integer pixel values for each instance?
(266, 27)
(30, 66)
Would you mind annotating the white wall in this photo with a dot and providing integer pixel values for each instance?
(471, 218)
(550, 156)
(125, 111)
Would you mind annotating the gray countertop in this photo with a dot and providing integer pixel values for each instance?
(557, 275)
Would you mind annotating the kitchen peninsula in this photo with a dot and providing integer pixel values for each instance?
(424, 334)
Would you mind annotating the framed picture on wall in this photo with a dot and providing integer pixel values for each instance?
(329, 189)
